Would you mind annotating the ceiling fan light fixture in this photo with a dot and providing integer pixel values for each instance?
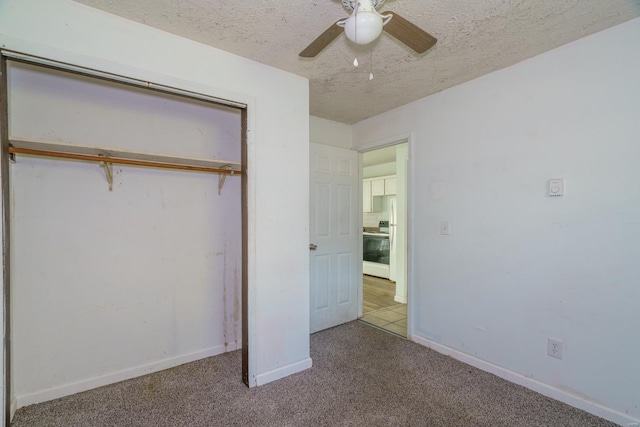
(365, 24)
(363, 27)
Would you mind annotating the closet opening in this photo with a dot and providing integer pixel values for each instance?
(124, 228)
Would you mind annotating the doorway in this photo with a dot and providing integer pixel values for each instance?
(384, 240)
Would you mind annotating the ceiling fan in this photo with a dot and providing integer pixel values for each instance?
(365, 25)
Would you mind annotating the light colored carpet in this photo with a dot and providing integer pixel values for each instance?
(361, 376)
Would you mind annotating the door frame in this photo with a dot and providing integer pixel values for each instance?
(409, 138)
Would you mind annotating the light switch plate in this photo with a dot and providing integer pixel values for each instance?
(445, 228)
(556, 187)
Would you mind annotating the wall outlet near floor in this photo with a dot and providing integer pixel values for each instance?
(554, 348)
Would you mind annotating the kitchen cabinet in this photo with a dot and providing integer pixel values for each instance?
(377, 187)
(373, 189)
(383, 186)
(390, 186)
(367, 201)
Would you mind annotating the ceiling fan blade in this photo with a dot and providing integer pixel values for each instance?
(409, 34)
(322, 41)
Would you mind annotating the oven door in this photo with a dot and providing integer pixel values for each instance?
(376, 248)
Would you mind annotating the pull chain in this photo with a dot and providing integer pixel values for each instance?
(355, 28)
(370, 63)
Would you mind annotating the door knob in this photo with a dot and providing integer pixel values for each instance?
(312, 247)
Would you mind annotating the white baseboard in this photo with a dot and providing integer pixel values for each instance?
(400, 299)
(276, 374)
(13, 407)
(545, 389)
(125, 374)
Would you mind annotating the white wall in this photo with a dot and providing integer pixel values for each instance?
(382, 169)
(328, 132)
(278, 133)
(520, 266)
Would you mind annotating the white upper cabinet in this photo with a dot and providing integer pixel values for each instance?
(377, 187)
(383, 185)
(373, 187)
(390, 186)
(367, 204)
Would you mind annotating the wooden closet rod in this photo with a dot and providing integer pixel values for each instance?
(115, 160)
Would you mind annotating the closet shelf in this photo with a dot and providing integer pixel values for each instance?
(95, 154)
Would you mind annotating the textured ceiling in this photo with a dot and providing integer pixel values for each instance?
(474, 38)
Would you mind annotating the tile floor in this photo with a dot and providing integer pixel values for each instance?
(392, 318)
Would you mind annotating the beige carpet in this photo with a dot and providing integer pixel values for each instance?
(361, 376)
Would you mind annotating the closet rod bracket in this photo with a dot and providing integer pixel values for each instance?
(108, 171)
(223, 176)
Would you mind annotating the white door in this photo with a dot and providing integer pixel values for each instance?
(333, 223)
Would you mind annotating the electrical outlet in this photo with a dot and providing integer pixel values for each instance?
(554, 348)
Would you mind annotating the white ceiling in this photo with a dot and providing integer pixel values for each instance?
(474, 38)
